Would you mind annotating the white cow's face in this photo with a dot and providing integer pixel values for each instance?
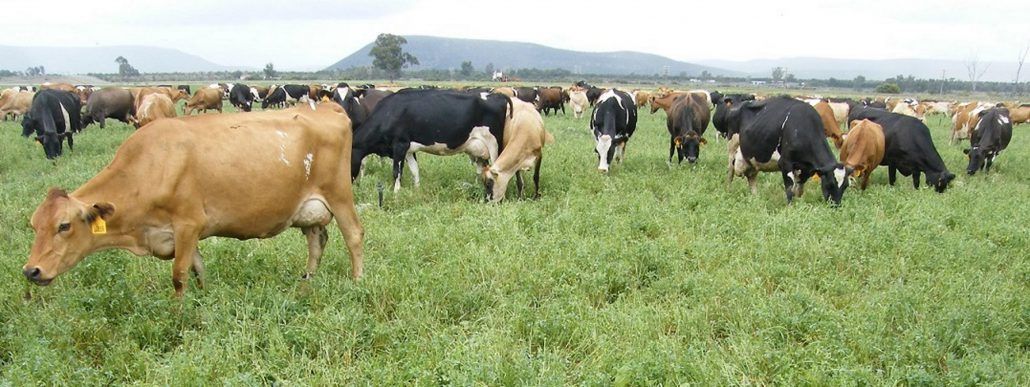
(604, 152)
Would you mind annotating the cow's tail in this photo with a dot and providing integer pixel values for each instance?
(511, 106)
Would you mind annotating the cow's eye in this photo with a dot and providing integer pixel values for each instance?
(64, 227)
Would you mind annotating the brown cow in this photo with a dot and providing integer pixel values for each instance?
(663, 100)
(642, 98)
(830, 127)
(174, 94)
(1019, 114)
(686, 121)
(550, 99)
(15, 103)
(863, 149)
(965, 119)
(204, 99)
(154, 107)
(524, 139)
(165, 190)
(58, 86)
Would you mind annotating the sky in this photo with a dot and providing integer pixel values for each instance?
(312, 34)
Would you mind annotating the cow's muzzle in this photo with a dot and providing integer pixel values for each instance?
(35, 275)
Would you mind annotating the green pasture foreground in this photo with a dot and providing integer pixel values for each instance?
(650, 275)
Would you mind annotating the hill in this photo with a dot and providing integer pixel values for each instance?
(448, 53)
(824, 68)
(82, 60)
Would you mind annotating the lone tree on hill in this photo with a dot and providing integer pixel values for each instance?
(467, 68)
(270, 72)
(125, 70)
(388, 55)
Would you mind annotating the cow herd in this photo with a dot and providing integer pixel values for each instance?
(180, 171)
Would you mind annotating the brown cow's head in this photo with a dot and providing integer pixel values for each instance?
(66, 231)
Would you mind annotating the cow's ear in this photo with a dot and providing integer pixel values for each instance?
(102, 210)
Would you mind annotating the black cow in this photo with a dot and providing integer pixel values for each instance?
(593, 93)
(356, 111)
(526, 94)
(27, 88)
(434, 121)
(908, 147)
(687, 121)
(286, 94)
(991, 136)
(241, 97)
(794, 130)
(54, 116)
(185, 88)
(613, 122)
(109, 102)
(723, 104)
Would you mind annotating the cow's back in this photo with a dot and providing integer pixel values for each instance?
(248, 173)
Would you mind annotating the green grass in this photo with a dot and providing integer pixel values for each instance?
(650, 275)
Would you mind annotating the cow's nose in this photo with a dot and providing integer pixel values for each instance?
(602, 170)
(32, 273)
(692, 159)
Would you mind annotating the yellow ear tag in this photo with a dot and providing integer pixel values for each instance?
(815, 177)
(99, 226)
(858, 173)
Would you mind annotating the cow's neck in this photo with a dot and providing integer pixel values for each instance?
(110, 187)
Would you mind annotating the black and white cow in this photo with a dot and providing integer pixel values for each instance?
(438, 122)
(991, 136)
(908, 147)
(54, 117)
(723, 104)
(351, 104)
(613, 122)
(185, 88)
(286, 95)
(793, 130)
(241, 97)
(526, 94)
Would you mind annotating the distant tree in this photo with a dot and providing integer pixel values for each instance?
(858, 82)
(971, 70)
(1022, 58)
(237, 74)
(489, 69)
(777, 73)
(125, 70)
(466, 68)
(790, 78)
(389, 57)
(706, 75)
(888, 88)
(270, 72)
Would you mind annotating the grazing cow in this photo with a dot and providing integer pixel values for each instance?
(524, 139)
(722, 109)
(174, 94)
(738, 166)
(260, 92)
(906, 109)
(109, 102)
(863, 150)
(15, 103)
(613, 122)
(593, 94)
(550, 99)
(438, 122)
(54, 117)
(526, 94)
(663, 101)
(204, 100)
(58, 86)
(642, 98)
(154, 107)
(578, 99)
(315, 91)
(687, 121)
(1019, 114)
(792, 129)
(83, 92)
(830, 127)
(241, 97)
(285, 95)
(356, 111)
(965, 119)
(508, 91)
(164, 192)
(370, 98)
(991, 136)
(908, 148)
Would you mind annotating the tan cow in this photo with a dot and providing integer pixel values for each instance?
(166, 190)
(508, 91)
(965, 119)
(154, 106)
(58, 86)
(578, 99)
(907, 109)
(204, 99)
(642, 98)
(524, 139)
(664, 100)
(1019, 114)
(141, 93)
(863, 149)
(830, 127)
(15, 103)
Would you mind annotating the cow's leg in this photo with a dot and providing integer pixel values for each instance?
(198, 268)
(672, 148)
(865, 181)
(413, 167)
(892, 174)
(186, 239)
(915, 179)
(400, 152)
(536, 177)
(317, 238)
(102, 118)
(752, 182)
(342, 206)
(788, 185)
(71, 142)
(519, 184)
(987, 165)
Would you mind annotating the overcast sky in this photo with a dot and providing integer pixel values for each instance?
(312, 34)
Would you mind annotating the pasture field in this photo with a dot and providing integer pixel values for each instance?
(652, 275)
